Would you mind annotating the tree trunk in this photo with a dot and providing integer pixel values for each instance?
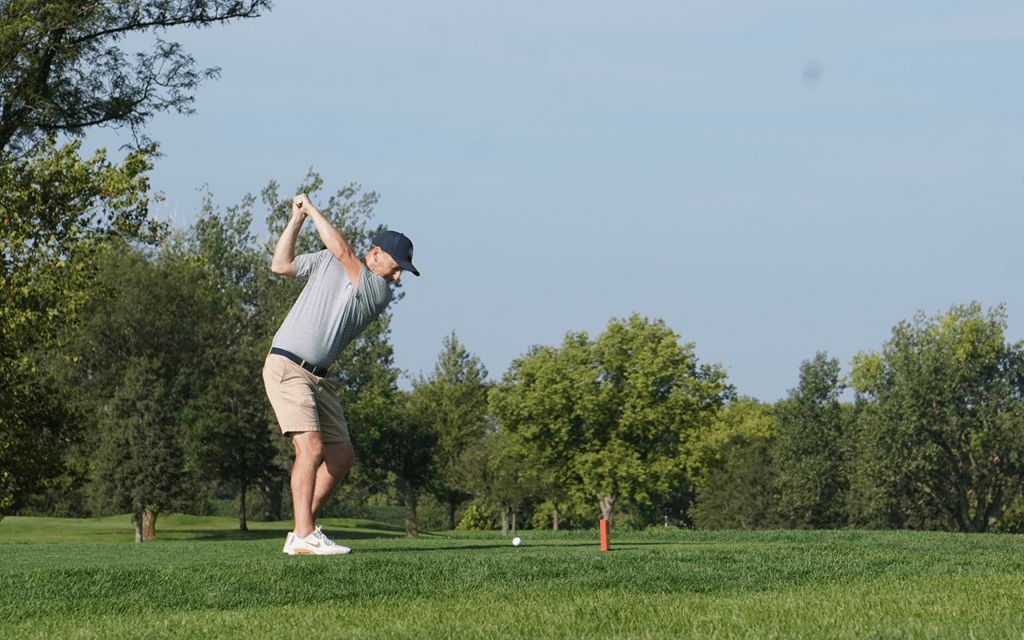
(452, 505)
(607, 509)
(138, 528)
(149, 525)
(504, 518)
(554, 518)
(411, 527)
(242, 526)
(273, 493)
(409, 496)
(513, 522)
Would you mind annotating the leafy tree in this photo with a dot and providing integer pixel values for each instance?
(735, 477)
(942, 443)
(451, 403)
(657, 398)
(617, 412)
(739, 493)
(408, 450)
(139, 464)
(62, 71)
(62, 68)
(497, 469)
(814, 447)
(548, 400)
(231, 434)
(389, 441)
(57, 213)
(742, 419)
(156, 310)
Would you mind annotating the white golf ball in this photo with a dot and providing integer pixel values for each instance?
(517, 541)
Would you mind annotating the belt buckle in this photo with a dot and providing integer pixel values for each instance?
(312, 368)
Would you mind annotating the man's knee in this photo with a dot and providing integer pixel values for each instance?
(308, 446)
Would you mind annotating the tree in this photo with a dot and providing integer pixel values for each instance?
(58, 212)
(61, 72)
(813, 447)
(231, 434)
(406, 449)
(498, 469)
(138, 465)
(617, 412)
(943, 431)
(545, 399)
(62, 69)
(734, 473)
(156, 309)
(451, 403)
(739, 493)
(659, 400)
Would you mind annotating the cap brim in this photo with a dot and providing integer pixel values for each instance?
(407, 266)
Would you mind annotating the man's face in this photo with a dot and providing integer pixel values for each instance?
(383, 265)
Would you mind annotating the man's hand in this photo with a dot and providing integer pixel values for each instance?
(301, 206)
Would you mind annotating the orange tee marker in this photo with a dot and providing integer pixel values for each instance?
(606, 529)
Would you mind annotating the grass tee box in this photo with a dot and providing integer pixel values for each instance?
(169, 528)
(204, 580)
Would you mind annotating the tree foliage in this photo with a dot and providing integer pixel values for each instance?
(230, 433)
(451, 404)
(139, 464)
(813, 447)
(498, 469)
(63, 68)
(616, 413)
(737, 481)
(943, 433)
(58, 211)
(739, 493)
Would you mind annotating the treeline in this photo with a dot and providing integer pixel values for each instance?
(933, 439)
(130, 357)
(150, 401)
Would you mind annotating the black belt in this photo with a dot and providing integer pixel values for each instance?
(316, 371)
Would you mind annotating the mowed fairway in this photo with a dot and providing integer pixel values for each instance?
(86, 579)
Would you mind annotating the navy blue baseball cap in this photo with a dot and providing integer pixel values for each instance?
(398, 247)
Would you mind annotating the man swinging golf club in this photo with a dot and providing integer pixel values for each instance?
(342, 296)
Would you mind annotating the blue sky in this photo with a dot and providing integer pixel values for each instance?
(772, 179)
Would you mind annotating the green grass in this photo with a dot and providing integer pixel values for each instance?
(86, 579)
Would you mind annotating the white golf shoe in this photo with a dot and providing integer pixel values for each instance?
(315, 544)
(288, 541)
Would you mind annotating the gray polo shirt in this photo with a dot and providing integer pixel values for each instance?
(330, 312)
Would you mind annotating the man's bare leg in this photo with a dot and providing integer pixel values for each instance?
(338, 459)
(309, 454)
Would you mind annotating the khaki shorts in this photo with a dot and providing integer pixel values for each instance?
(303, 402)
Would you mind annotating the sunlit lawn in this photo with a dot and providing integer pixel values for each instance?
(203, 578)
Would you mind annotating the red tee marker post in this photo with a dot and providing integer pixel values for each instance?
(606, 529)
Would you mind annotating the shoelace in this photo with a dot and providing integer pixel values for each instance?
(319, 535)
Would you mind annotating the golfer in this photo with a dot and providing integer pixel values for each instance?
(342, 296)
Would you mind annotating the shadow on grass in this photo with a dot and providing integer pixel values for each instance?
(263, 534)
(488, 547)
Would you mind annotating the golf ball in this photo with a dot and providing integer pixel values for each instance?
(517, 541)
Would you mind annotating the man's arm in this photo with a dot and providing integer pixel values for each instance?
(283, 262)
(335, 243)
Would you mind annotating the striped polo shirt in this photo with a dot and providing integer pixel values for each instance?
(330, 312)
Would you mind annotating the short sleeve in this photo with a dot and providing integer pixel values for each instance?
(307, 262)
